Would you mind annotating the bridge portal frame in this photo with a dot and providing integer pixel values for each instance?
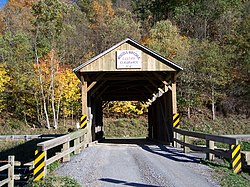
(153, 82)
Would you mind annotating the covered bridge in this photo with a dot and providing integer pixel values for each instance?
(129, 71)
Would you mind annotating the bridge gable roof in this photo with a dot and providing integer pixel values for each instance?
(106, 61)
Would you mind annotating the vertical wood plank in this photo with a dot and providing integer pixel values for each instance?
(77, 142)
(210, 145)
(174, 98)
(11, 174)
(84, 96)
(66, 146)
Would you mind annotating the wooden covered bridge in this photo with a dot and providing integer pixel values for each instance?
(129, 71)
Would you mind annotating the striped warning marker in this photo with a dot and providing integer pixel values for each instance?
(176, 120)
(39, 165)
(236, 158)
(83, 122)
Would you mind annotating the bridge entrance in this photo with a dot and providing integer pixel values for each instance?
(129, 71)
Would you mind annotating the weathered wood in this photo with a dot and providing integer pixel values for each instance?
(77, 134)
(174, 98)
(43, 146)
(66, 147)
(190, 133)
(193, 147)
(186, 140)
(5, 181)
(4, 167)
(11, 174)
(221, 139)
(210, 145)
(241, 137)
(76, 142)
(108, 62)
(91, 85)
(84, 97)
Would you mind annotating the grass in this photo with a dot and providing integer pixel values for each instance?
(225, 176)
(14, 126)
(232, 124)
(124, 127)
(54, 181)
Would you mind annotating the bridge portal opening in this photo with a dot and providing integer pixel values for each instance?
(125, 119)
(129, 71)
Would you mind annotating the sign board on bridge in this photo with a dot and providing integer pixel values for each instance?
(128, 59)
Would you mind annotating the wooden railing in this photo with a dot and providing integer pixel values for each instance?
(233, 153)
(69, 143)
(10, 167)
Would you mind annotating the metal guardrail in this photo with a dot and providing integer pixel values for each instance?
(233, 153)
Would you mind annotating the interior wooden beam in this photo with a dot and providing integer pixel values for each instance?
(96, 88)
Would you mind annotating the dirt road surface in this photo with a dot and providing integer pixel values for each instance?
(136, 163)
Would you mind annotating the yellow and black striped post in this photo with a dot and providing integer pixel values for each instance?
(236, 158)
(83, 122)
(39, 162)
(176, 120)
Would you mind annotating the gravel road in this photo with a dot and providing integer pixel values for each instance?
(136, 163)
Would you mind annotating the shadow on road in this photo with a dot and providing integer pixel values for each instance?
(155, 148)
(125, 183)
(137, 141)
(171, 153)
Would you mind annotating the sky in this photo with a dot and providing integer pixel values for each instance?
(2, 3)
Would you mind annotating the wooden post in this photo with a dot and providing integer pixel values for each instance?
(76, 142)
(174, 98)
(45, 165)
(85, 105)
(11, 173)
(210, 145)
(186, 140)
(66, 146)
(174, 105)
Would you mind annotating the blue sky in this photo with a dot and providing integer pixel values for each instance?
(2, 3)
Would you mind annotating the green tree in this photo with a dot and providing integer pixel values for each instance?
(48, 24)
(212, 69)
(165, 39)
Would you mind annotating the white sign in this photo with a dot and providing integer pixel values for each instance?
(128, 59)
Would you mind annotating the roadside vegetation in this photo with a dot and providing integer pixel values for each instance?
(225, 176)
(52, 180)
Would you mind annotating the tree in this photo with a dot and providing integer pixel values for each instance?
(4, 79)
(48, 25)
(212, 68)
(165, 39)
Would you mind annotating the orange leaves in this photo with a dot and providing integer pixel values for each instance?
(45, 65)
(101, 12)
(65, 83)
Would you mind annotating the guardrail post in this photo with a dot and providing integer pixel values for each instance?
(40, 168)
(186, 140)
(176, 124)
(76, 143)
(66, 147)
(210, 145)
(11, 173)
(235, 157)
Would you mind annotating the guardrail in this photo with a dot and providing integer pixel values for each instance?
(65, 142)
(10, 167)
(29, 137)
(233, 153)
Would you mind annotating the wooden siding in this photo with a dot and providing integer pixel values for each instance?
(107, 62)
